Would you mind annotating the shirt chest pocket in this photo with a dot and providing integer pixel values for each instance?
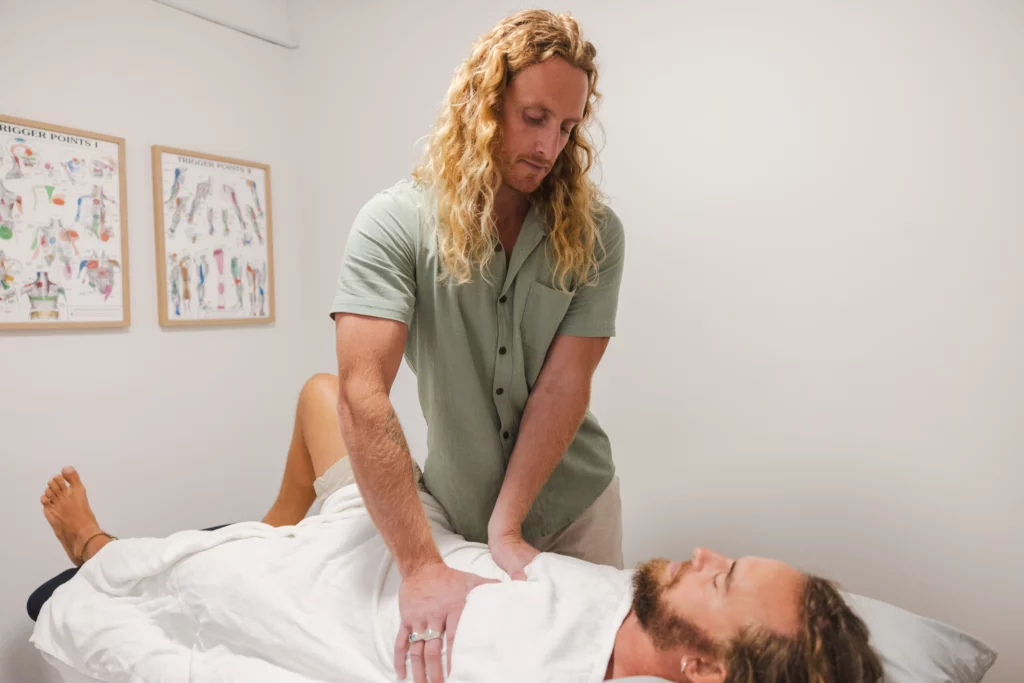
(545, 307)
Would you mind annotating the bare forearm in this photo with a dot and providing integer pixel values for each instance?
(383, 469)
(550, 422)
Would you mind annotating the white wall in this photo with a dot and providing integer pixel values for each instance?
(822, 319)
(266, 19)
(170, 429)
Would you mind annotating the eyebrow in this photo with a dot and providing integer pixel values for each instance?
(728, 577)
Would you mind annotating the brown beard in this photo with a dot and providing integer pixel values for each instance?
(667, 629)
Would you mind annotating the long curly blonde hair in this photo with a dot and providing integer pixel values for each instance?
(460, 164)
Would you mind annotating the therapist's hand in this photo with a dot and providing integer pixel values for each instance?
(433, 596)
(511, 553)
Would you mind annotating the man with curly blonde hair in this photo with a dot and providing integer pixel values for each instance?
(496, 270)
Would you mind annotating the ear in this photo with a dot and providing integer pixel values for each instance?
(701, 669)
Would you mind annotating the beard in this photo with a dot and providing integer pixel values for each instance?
(667, 629)
(514, 175)
(522, 182)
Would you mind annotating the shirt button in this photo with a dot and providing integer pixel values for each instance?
(497, 247)
(502, 350)
(503, 299)
(505, 435)
(500, 391)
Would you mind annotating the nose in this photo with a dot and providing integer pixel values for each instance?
(547, 145)
(704, 558)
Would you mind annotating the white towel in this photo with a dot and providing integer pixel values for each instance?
(318, 602)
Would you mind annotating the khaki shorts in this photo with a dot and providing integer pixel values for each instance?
(339, 475)
(596, 536)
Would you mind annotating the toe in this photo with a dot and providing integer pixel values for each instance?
(57, 485)
(43, 499)
(50, 495)
(70, 475)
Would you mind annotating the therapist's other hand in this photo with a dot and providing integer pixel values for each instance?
(512, 553)
(433, 596)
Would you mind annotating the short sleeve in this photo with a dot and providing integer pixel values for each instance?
(378, 268)
(592, 310)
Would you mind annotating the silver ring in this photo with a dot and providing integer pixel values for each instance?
(429, 634)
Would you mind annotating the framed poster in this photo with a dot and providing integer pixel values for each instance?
(63, 227)
(214, 239)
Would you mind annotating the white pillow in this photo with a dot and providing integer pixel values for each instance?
(915, 649)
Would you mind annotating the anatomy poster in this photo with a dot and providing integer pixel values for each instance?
(213, 233)
(63, 228)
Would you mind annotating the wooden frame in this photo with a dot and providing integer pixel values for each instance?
(91, 277)
(196, 241)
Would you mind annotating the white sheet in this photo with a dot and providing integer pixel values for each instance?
(317, 602)
(67, 674)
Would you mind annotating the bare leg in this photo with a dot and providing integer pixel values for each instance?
(66, 508)
(316, 445)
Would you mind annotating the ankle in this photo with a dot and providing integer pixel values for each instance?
(95, 545)
(92, 543)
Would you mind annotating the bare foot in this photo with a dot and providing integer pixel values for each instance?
(67, 510)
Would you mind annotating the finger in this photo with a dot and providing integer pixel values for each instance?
(401, 650)
(450, 625)
(432, 654)
(419, 672)
(416, 656)
(519, 575)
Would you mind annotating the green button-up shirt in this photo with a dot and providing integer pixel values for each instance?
(477, 350)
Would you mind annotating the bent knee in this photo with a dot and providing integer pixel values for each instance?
(321, 387)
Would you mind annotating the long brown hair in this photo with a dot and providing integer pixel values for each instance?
(832, 646)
